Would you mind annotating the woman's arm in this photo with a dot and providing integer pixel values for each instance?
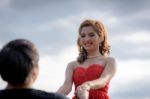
(107, 75)
(67, 85)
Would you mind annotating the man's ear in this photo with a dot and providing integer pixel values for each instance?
(35, 73)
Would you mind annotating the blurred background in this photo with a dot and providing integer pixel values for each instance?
(53, 26)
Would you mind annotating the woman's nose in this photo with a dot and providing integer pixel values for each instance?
(86, 39)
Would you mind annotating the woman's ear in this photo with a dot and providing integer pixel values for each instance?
(100, 40)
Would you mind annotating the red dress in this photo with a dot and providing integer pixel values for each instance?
(81, 75)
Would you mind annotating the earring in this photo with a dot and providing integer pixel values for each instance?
(81, 49)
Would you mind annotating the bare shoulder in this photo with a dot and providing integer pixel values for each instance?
(72, 64)
(111, 60)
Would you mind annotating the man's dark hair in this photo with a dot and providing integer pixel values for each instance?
(17, 58)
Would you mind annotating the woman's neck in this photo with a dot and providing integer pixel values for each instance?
(93, 54)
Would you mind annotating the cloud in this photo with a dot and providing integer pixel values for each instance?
(2, 83)
(53, 26)
(52, 69)
(129, 46)
(131, 81)
(37, 21)
(137, 37)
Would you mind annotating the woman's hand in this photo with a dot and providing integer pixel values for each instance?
(82, 91)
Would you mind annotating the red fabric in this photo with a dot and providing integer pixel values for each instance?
(92, 72)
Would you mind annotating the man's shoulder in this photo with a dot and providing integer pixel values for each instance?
(30, 93)
(46, 95)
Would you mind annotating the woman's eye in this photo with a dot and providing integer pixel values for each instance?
(91, 35)
(82, 36)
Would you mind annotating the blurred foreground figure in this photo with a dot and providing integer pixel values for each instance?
(19, 68)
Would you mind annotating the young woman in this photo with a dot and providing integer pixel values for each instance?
(94, 68)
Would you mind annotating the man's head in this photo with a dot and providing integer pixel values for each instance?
(18, 61)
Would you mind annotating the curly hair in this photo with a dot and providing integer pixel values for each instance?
(98, 27)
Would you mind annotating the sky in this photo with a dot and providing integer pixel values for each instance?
(52, 25)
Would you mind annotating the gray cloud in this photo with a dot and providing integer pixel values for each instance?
(23, 19)
(52, 25)
(135, 90)
(124, 50)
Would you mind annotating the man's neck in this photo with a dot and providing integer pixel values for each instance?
(19, 86)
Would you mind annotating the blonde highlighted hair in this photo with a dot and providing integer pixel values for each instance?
(99, 28)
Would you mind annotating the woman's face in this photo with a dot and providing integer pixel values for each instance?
(89, 39)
